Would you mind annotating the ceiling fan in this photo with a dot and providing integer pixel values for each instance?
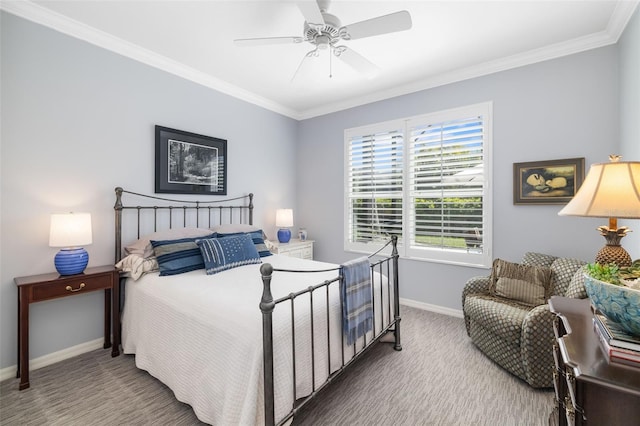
(324, 31)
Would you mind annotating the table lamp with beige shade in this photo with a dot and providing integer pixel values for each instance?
(610, 190)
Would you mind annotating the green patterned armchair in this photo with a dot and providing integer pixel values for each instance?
(519, 337)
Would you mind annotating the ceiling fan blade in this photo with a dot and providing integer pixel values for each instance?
(398, 21)
(311, 12)
(267, 40)
(356, 61)
(304, 64)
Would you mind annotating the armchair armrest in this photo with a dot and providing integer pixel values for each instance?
(536, 346)
(475, 285)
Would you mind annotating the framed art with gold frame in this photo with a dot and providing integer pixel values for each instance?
(547, 182)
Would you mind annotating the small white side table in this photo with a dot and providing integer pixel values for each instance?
(294, 248)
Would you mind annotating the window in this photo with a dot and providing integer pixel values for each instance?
(423, 179)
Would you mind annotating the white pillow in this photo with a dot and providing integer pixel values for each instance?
(143, 247)
(137, 266)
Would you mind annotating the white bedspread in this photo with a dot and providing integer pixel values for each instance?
(202, 336)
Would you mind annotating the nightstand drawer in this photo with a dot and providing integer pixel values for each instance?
(307, 253)
(70, 286)
(299, 253)
(294, 248)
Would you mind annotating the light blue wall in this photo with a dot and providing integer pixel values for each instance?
(562, 108)
(77, 121)
(629, 46)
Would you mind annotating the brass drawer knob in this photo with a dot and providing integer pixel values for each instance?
(68, 288)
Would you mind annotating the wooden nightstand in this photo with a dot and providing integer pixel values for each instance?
(37, 288)
(589, 390)
(294, 248)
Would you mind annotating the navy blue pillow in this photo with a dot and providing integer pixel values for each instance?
(258, 240)
(178, 256)
(229, 252)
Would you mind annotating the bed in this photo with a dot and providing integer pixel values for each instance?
(249, 344)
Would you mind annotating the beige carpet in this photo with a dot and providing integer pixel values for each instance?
(439, 378)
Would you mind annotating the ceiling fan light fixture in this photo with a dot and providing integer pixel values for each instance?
(323, 42)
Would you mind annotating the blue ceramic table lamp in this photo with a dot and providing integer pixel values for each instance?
(70, 231)
(284, 221)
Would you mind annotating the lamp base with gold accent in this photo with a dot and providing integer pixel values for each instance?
(613, 254)
(613, 251)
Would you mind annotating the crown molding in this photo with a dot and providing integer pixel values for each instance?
(43, 16)
(554, 51)
(48, 18)
(620, 18)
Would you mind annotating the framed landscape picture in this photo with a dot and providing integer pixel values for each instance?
(547, 182)
(188, 163)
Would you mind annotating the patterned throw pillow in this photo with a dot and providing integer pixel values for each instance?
(178, 256)
(224, 253)
(526, 284)
(144, 248)
(258, 239)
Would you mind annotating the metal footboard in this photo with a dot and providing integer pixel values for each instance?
(387, 266)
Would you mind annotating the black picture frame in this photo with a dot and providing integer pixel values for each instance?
(547, 182)
(188, 163)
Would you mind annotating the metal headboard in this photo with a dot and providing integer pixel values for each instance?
(179, 213)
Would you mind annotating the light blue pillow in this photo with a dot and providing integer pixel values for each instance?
(224, 253)
(258, 239)
(178, 256)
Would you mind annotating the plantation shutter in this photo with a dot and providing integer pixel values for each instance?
(424, 179)
(446, 180)
(375, 163)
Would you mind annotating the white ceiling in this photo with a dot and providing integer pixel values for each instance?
(449, 41)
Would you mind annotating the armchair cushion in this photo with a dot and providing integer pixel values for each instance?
(504, 319)
(528, 284)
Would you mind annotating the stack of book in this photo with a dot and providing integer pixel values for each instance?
(619, 346)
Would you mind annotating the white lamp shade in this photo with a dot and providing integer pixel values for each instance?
(284, 218)
(609, 190)
(70, 230)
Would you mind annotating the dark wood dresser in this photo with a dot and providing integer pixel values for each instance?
(589, 390)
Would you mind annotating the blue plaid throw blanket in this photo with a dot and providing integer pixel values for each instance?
(357, 308)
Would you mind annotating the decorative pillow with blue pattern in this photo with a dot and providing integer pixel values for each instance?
(178, 256)
(229, 252)
(258, 239)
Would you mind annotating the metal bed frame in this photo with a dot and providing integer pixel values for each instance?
(209, 213)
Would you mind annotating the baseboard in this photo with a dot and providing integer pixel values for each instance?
(433, 308)
(52, 358)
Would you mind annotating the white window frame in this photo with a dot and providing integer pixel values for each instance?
(476, 258)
